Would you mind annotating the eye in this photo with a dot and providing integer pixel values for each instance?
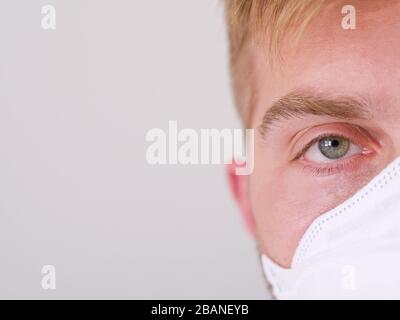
(331, 148)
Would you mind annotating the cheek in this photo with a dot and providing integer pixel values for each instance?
(285, 200)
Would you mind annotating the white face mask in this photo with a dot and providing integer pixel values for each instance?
(350, 252)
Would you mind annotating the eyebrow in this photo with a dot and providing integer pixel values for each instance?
(299, 104)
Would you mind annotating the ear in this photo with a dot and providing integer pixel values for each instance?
(239, 185)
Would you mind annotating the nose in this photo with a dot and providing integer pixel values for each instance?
(390, 140)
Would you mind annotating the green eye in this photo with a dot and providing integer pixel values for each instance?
(334, 147)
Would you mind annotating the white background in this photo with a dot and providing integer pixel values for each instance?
(76, 191)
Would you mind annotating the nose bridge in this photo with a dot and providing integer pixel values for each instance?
(394, 135)
(389, 133)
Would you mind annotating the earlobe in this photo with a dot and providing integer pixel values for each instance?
(239, 187)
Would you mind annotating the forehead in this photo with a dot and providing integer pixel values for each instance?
(362, 62)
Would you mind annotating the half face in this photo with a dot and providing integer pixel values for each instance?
(326, 120)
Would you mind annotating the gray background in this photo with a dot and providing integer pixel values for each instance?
(76, 191)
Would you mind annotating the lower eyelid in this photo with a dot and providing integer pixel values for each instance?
(344, 165)
(323, 171)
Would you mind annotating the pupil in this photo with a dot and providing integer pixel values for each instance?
(334, 143)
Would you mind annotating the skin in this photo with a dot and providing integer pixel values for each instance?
(283, 195)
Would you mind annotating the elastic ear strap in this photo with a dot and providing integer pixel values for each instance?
(268, 283)
(270, 273)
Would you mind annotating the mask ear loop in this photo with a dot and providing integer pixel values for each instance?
(269, 285)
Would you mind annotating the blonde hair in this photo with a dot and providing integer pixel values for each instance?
(249, 18)
(259, 20)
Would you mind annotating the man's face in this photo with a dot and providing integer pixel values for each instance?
(346, 83)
